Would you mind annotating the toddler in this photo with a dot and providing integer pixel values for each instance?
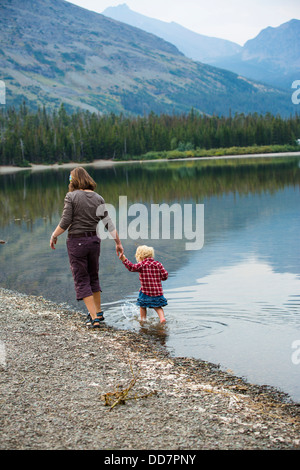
(151, 274)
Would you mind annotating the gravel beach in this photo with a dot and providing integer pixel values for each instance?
(55, 374)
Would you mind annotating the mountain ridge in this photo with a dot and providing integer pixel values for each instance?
(52, 51)
(272, 57)
(193, 45)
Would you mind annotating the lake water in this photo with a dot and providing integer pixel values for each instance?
(235, 302)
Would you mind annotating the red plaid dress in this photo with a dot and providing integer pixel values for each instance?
(151, 274)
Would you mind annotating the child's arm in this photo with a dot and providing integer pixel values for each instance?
(129, 265)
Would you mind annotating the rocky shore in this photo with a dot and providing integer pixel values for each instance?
(55, 374)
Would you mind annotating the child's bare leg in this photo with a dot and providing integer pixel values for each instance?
(143, 312)
(160, 313)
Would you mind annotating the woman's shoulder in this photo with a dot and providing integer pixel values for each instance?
(72, 196)
(93, 194)
(78, 193)
(98, 196)
(69, 196)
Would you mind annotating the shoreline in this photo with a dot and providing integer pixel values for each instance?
(54, 372)
(110, 163)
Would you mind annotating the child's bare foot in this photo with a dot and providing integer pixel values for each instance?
(143, 313)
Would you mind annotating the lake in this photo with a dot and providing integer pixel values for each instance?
(234, 302)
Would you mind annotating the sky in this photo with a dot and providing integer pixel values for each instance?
(235, 20)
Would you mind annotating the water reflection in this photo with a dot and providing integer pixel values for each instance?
(28, 196)
(250, 291)
(236, 302)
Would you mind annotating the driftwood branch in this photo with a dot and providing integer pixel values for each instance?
(120, 396)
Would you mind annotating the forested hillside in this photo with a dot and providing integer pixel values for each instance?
(56, 136)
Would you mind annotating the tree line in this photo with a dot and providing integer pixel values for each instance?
(45, 136)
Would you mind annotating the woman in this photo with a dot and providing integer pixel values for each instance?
(80, 216)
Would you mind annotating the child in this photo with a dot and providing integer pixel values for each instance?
(151, 274)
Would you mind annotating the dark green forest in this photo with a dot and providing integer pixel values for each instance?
(58, 137)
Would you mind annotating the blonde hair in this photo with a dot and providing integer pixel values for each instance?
(144, 252)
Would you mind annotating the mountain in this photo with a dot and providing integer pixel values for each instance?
(193, 45)
(52, 51)
(272, 57)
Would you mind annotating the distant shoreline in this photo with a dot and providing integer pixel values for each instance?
(110, 163)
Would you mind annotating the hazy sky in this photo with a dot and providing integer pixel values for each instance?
(236, 20)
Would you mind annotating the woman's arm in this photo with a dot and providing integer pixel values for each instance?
(65, 221)
(102, 213)
(58, 231)
(67, 214)
(119, 247)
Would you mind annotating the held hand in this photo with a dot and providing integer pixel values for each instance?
(119, 250)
